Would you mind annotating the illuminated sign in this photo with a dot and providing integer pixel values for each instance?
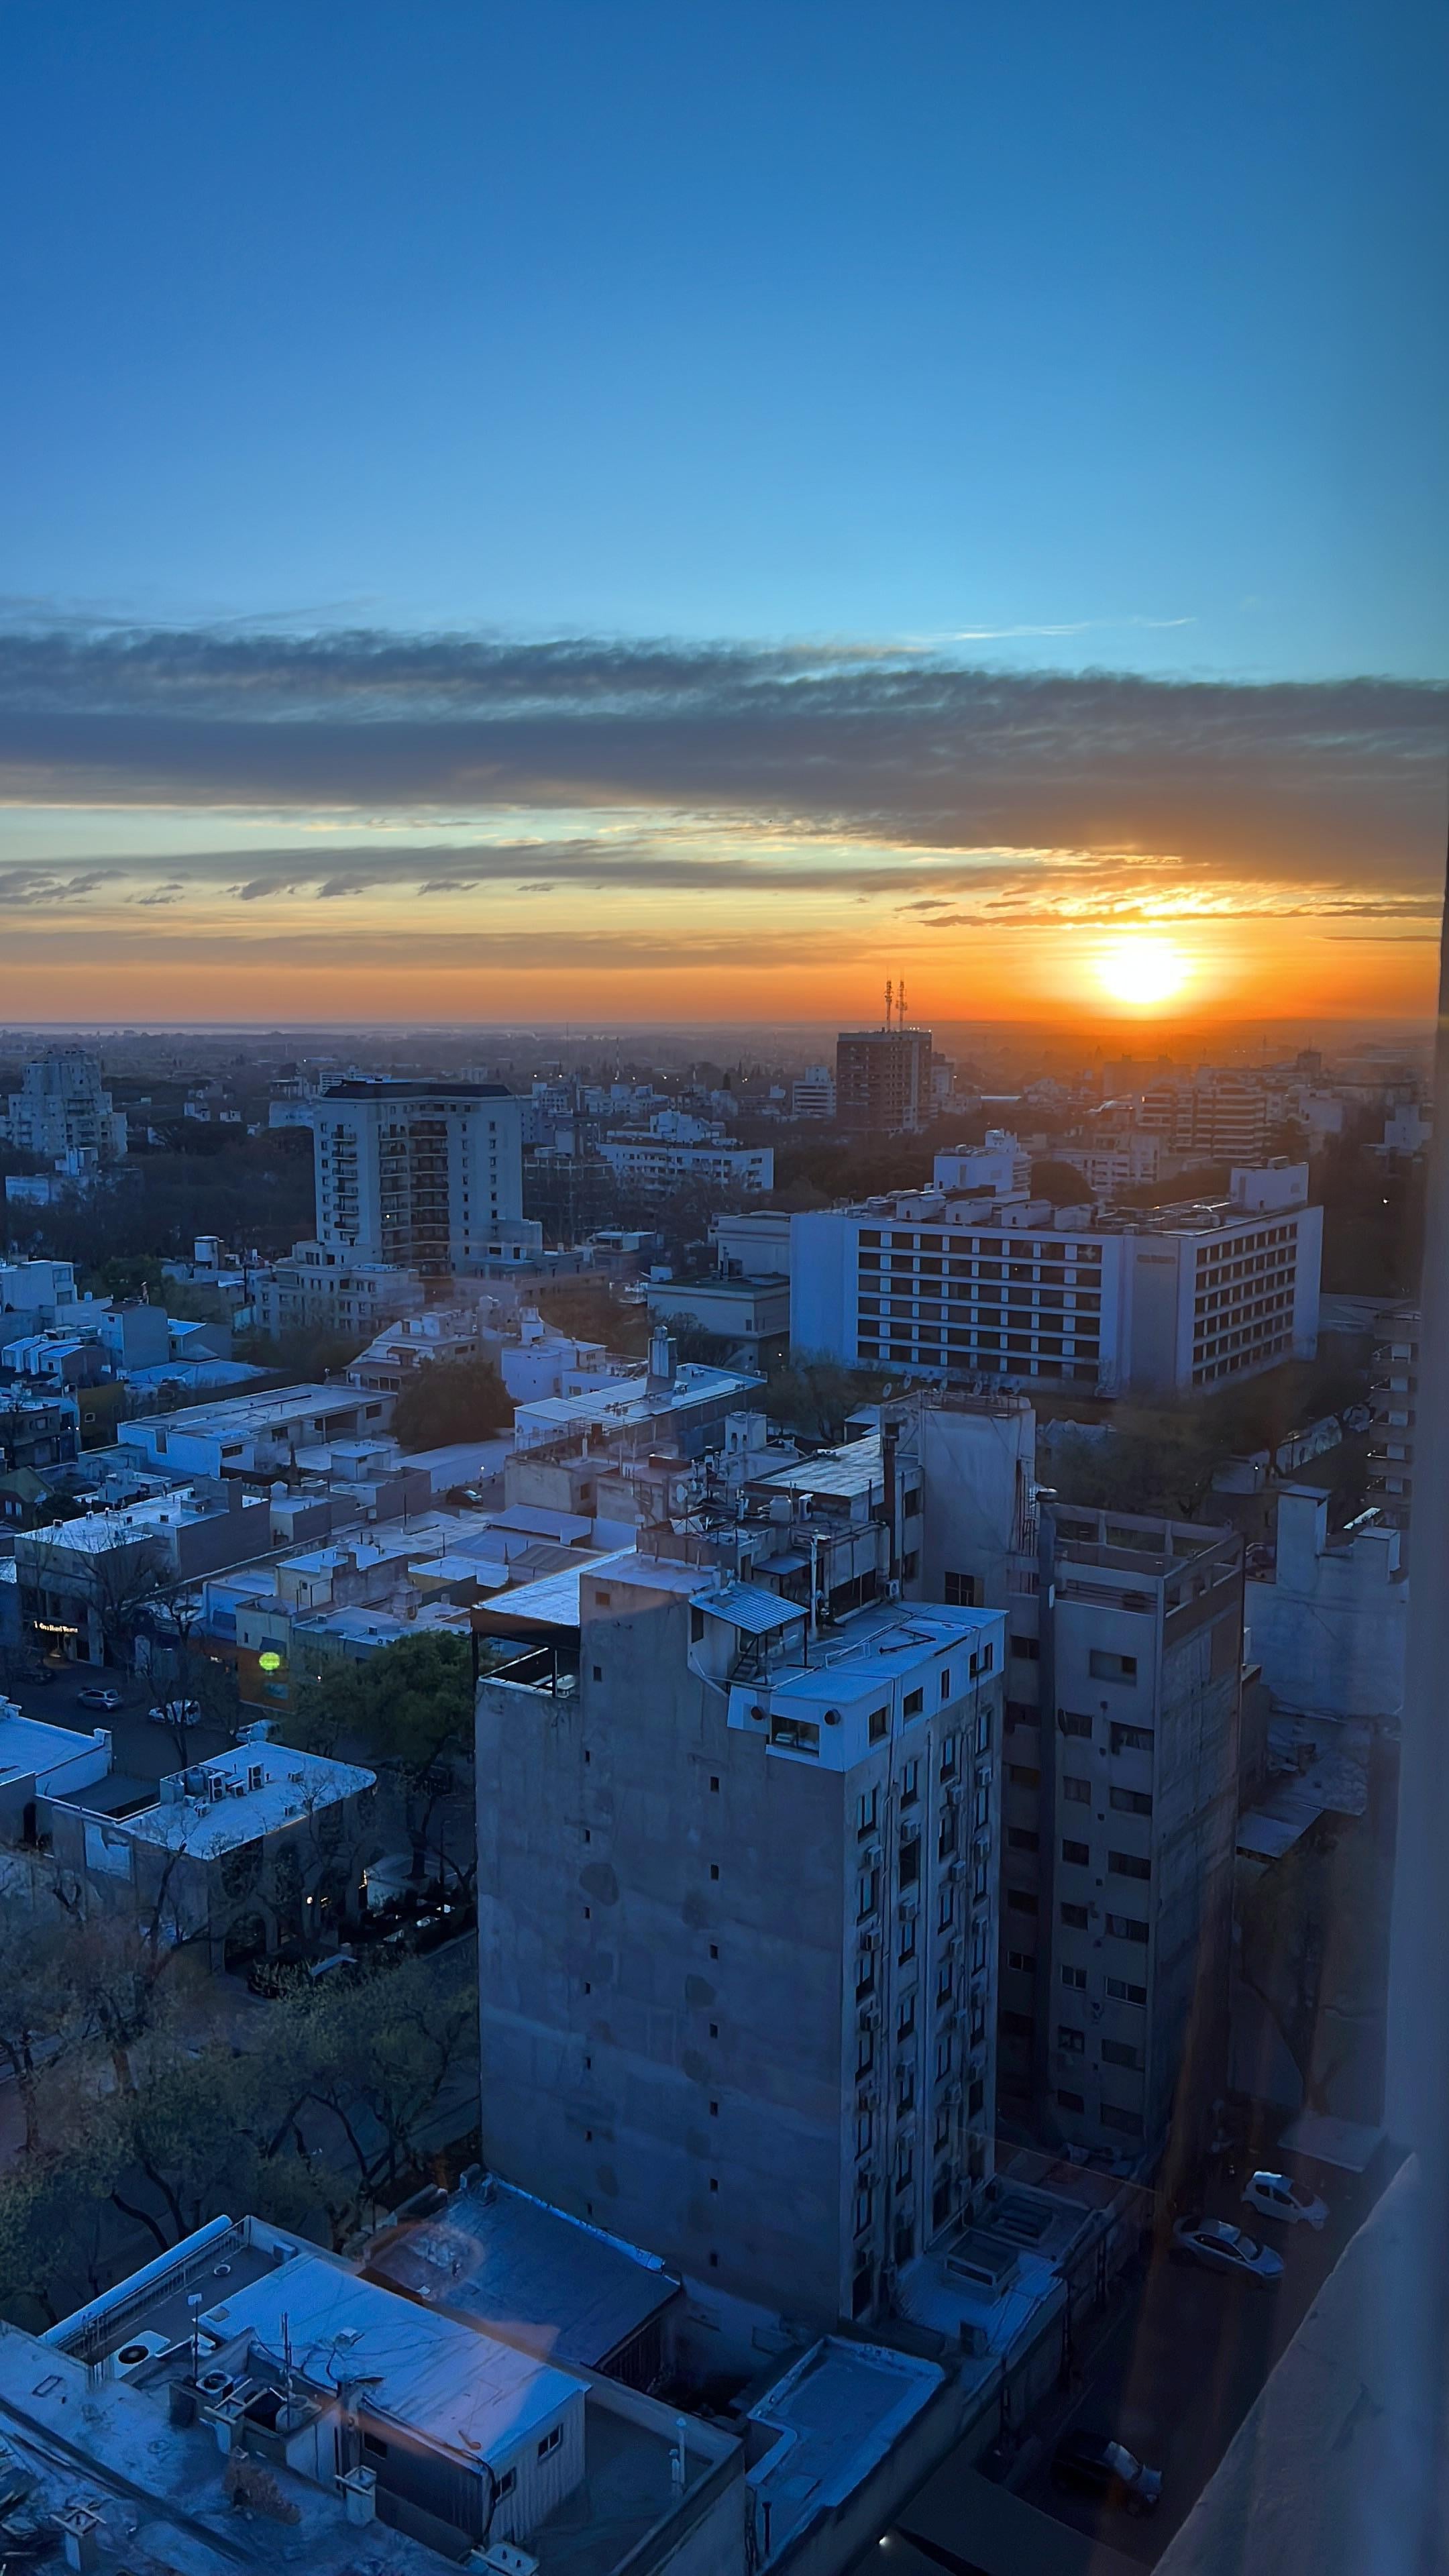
(271, 1661)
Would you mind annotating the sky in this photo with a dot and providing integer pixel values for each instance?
(672, 512)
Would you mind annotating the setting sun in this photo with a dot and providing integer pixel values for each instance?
(1143, 971)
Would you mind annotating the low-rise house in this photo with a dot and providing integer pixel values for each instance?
(255, 1436)
(38, 1762)
(243, 1852)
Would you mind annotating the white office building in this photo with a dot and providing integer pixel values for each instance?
(1169, 1300)
(654, 1160)
(422, 1176)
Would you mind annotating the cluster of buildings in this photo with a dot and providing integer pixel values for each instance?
(864, 1832)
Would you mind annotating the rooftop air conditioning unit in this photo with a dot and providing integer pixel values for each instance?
(134, 2354)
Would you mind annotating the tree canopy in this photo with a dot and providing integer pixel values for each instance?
(451, 1400)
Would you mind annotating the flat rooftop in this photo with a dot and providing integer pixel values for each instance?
(457, 2388)
(836, 2416)
(31, 1744)
(501, 2259)
(854, 1469)
(292, 1786)
(622, 1400)
(241, 1413)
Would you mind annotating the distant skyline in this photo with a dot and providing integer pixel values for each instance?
(639, 513)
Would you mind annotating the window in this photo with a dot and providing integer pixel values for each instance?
(1023, 1960)
(506, 2484)
(1027, 1650)
(913, 1703)
(1022, 1900)
(945, 1685)
(1131, 1739)
(943, 2054)
(1077, 1793)
(1023, 1775)
(714, 1869)
(950, 1754)
(909, 1869)
(714, 1781)
(880, 1725)
(1072, 1722)
(1128, 2122)
(1075, 1917)
(603, 1600)
(598, 1672)
(1018, 2025)
(1071, 2102)
(1073, 2042)
(1131, 1802)
(867, 1893)
(1125, 1927)
(1021, 1838)
(1080, 1854)
(866, 1812)
(1107, 1667)
(983, 1732)
(551, 2441)
(1118, 2052)
(958, 1591)
(371, 2442)
(1122, 1993)
(910, 1565)
(906, 1947)
(1076, 1978)
(1128, 1865)
(906, 2015)
(910, 1783)
(862, 2210)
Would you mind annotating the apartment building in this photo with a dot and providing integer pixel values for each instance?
(256, 1437)
(1221, 1116)
(737, 1924)
(63, 1107)
(883, 1079)
(1169, 1300)
(424, 1176)
(652, 1163)
(317, 1289)
(1395, 1384)
(813, 1094)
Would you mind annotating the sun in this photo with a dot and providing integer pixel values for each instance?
(1142, 971)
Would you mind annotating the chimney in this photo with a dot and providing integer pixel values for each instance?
(663, 1364)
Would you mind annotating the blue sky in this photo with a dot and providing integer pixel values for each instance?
(925, 322)
(624, 506)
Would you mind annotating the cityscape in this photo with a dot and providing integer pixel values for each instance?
(724, 1273)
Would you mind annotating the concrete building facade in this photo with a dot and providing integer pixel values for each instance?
(737, 1926)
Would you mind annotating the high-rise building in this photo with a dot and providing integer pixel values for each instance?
(737, 1872)
(1223, 1115)
(1164, 1300)
(62, 1108)
(425, 1176)
(1119, 1785)
(883, 1079)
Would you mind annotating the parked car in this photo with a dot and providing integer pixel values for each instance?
(108, 1701)
(1093, 2464)
(1276, 2195)
(175, 1712)
(1220, 2247)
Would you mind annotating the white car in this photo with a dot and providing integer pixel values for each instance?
(1221, 2248)
(1275, 2195)
(176, 1712)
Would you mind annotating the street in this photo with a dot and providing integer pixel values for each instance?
(1180, 2364)
(142, 1751)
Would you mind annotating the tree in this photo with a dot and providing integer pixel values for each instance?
(817, 1396)
(589, 1311)
(448, 1400)
(408, 1713)
(41, 1999)
(1062, 1183)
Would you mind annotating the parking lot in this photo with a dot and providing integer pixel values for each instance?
(1178, 2365)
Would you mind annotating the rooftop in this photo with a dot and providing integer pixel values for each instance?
(213, 1806)
(836, 2414)
(460, 2390)
(382, 1090)
(241, 1413)
(29, 1744)
(502, 2259)
(624, 1400)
